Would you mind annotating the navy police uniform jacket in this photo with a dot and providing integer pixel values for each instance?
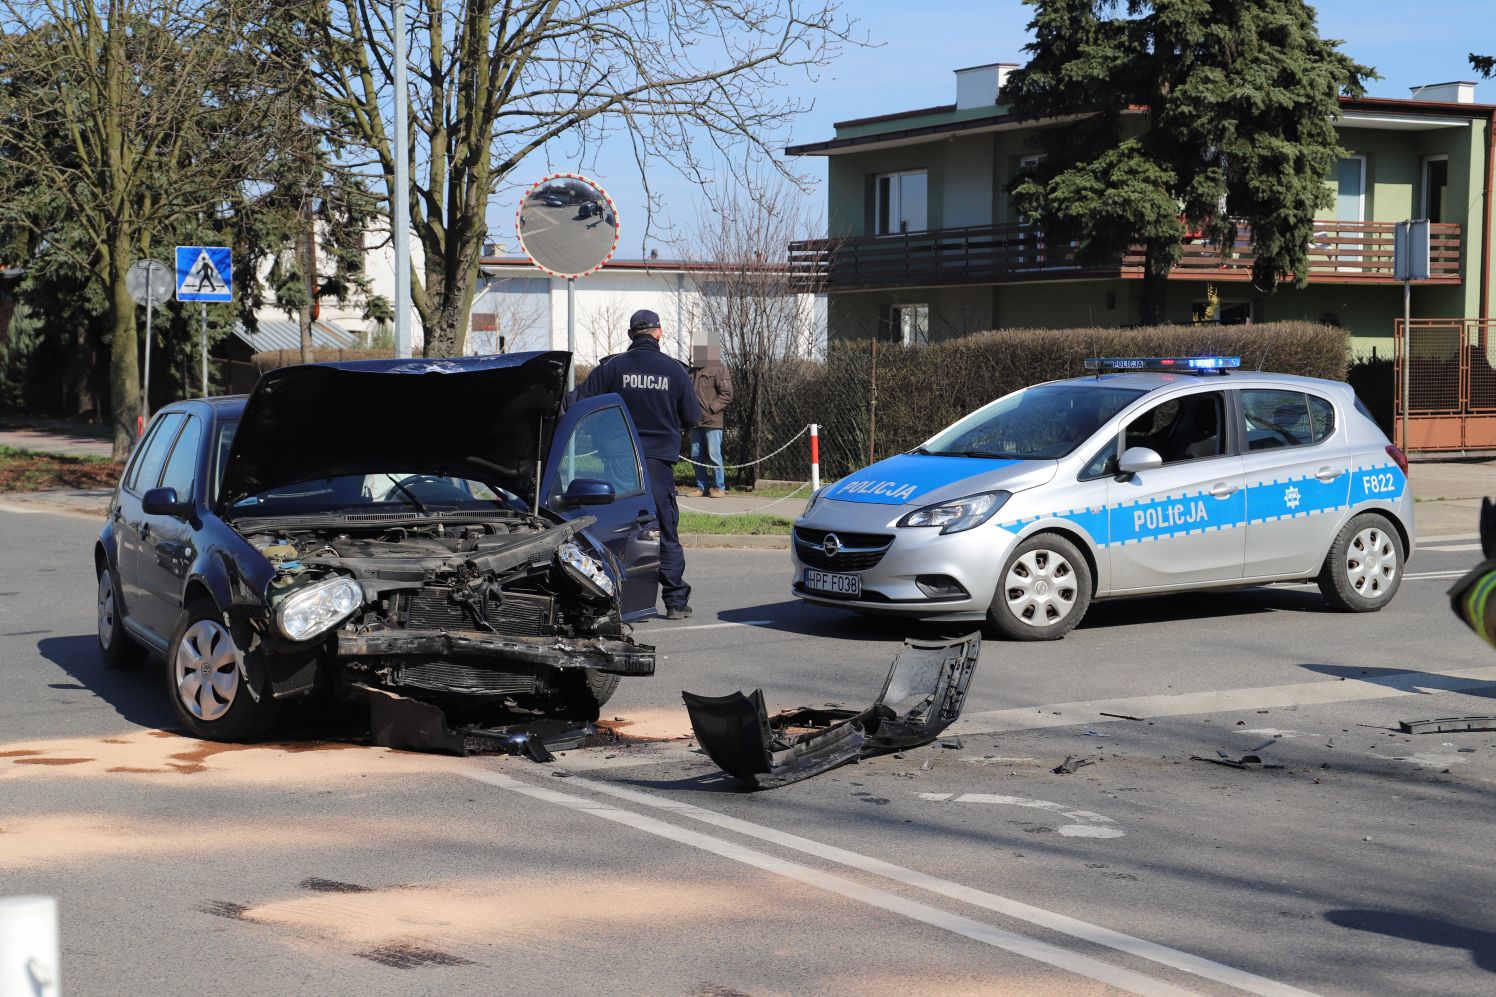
(657, 390)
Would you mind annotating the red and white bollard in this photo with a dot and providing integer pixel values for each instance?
(815, 458)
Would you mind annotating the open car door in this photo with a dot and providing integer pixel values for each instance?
(596, 441)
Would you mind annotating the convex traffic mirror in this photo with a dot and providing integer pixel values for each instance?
(568, 225)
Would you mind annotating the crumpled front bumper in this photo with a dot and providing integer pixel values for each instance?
(605, 654)
(922, 696)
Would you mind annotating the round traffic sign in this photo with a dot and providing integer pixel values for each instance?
(567, 224)
(149, 277)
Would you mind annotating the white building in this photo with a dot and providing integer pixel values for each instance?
(518, 307)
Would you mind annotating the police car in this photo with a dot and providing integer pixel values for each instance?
(1158, 474)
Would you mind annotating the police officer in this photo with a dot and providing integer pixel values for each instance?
(658, 393)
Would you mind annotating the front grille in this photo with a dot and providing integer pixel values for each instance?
(519, 614)
(457, 676)
(859, 551)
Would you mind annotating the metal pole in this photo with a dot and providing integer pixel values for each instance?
(400, 198)
(815, 458)
(571, 331)
(145, 387)
(205, 349)
(1407, 356)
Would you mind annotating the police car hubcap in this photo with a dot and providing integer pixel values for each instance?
(1371, 563)
(1040, 588)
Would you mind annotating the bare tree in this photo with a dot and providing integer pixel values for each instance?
(133, 115)
(518, 319)
(494, 81)
(607, 329)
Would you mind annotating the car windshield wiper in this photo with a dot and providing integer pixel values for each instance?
(420, 507)
(979, 454)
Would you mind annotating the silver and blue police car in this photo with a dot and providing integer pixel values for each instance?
(1154, 475)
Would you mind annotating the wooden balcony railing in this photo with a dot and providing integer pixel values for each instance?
(1340, 253)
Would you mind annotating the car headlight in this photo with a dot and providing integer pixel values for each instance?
(586, 570)
(318, 607)
(958, 515)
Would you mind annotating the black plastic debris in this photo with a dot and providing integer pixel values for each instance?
(1446, 724)
(922, 696)
(1071, 764)
(1244, 762)
(411, 725)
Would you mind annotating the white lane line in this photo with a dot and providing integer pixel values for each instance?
(966, 927)
(1351, 689)
(1455, 549)
(715, 626)
(1162, 954)
(1449, 537)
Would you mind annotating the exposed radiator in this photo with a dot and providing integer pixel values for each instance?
(519, 613)
(458, 676)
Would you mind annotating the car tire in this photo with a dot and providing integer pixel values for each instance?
(209, 692)
(586, 691)
(1364, 567)
(1043, 591)
(116, 646)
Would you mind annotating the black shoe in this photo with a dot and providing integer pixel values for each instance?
(677, 612)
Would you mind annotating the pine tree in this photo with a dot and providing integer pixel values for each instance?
(1198, 113)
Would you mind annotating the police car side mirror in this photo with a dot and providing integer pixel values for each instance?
(1135, 459)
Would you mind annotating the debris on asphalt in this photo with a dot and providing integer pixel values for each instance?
(927, 766)
(1446, 724)
(1244, 762)
(1468, 751)
(1071, 763)
(954, 744)
(922, 696)
(407, 724)
(1120, 716)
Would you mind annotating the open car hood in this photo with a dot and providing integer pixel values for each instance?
(487, 419)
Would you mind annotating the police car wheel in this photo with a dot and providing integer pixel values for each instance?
(1043, 591)
(1364, 567)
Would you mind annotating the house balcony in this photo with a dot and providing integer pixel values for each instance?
(1341, 253)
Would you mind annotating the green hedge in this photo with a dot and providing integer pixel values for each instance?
(919, 390)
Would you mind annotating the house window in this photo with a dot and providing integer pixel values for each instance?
(906, 324)
(1226, 312)
(1435, 187)
(902, 202)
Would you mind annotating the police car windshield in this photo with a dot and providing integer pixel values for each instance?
(1044, 422)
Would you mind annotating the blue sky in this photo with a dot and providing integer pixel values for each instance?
(915, 47)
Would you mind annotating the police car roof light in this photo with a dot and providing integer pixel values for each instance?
(1184, 365)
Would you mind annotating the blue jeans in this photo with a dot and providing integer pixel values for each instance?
(707, 442)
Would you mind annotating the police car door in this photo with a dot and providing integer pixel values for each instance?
(1179, 524)
(1297, 469)
(597, 440)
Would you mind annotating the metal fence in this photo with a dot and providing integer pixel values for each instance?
(1445, 390)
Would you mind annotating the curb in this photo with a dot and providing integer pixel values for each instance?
(742, 540)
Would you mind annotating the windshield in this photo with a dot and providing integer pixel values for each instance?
(366, 493)
(1044, 422)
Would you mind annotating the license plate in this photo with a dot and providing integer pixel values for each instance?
(828, 581)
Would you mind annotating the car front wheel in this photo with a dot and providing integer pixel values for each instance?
(209, 690)
(1363, 569)
(1043, 591)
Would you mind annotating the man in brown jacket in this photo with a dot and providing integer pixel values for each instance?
(714, 392)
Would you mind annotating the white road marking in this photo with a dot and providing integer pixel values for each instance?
(1455, 549)
(978, 931)
(1268, 732)
(718, 626)
(1142, 948)
(1087, 824)
(1448, 537)
(1352, 689)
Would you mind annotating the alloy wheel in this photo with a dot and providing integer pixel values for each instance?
(1040, 588)
(205, 670)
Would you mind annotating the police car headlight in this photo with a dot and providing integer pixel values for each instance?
(586, 570)
(961, 514)
(318, 607)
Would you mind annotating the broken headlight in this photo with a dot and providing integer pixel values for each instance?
(318, 607)
(586, 570)
(961, 514)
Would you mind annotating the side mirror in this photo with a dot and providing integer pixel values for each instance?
(163, 502)
(1135, 459)
(588, 491)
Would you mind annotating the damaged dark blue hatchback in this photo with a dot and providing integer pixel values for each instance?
(435, 529)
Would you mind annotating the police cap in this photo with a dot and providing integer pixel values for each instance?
(642, 321)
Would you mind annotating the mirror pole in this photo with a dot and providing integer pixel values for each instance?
(400, 196)
(571, 332)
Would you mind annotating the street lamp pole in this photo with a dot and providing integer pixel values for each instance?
(400, 198)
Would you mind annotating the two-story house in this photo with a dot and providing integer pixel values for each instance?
(924, 243)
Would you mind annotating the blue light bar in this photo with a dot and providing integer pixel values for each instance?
(1163, 364)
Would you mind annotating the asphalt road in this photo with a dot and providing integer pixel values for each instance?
(318, 864)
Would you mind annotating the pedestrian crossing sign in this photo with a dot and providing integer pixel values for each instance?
(204, 273)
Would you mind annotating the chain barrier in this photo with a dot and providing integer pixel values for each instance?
(748, 512)
(751, 463)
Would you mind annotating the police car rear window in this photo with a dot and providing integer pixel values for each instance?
(1045, 422)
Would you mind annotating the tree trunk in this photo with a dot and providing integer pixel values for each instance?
(1159, 260)
(124, 366)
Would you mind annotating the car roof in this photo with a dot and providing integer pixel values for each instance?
(222, 406)
(1153, 381)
